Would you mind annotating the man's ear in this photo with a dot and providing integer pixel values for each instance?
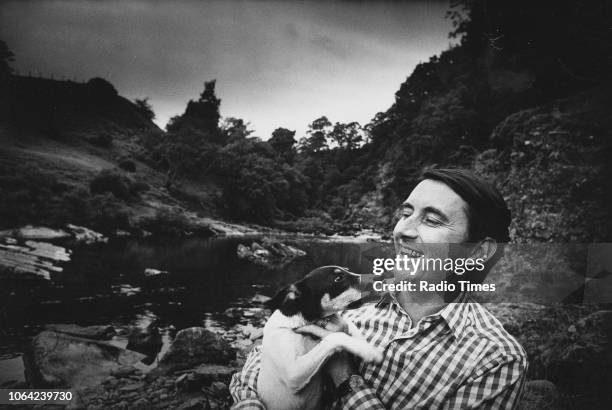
(286, 300)
(485, 249)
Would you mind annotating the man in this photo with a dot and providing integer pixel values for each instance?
(437, 354)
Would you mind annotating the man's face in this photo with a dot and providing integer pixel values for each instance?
(432, 217)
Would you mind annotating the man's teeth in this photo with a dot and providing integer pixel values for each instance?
(411, 253)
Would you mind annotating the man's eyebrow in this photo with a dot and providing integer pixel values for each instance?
(406, 205)
(439, 213)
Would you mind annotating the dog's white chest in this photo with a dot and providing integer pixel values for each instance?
(276, 381)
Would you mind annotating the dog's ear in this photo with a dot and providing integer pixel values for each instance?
(287, 300)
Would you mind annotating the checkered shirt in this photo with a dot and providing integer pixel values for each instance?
(458, 358)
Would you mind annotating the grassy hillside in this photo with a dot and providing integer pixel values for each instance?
(73, 153)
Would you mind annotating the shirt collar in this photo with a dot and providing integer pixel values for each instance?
(455, 314)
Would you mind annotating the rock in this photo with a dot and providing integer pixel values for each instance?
(40, 233)
(194, 346)
(147, 341)
(32, 259)
(600, 321)
(233, 312)
(154, 272)
(281, 250)
(197, 403)
(271, 253)
(60, 360)
(209, 373)
(243, 252)
(87, 332)
(86, 236)
(256, 334)
(219, 388)
(124, 371)
(540, 395)
(259, 298)
(131, 387)
(141, 404)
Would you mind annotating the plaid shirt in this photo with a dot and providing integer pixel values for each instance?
(460, 357)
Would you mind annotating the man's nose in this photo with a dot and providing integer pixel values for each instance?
(406, 228)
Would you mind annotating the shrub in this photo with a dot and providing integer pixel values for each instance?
(111, 181)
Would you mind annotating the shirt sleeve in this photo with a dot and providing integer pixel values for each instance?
(243, 386)
(498, 384)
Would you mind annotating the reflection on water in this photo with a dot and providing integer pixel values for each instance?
(106, 285)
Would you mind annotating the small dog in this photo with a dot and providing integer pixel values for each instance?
(289, 376)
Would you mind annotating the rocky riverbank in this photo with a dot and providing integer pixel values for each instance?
(568, 348)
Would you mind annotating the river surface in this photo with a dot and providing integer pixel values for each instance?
(106, 284)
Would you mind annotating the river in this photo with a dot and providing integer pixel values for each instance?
(106, 284)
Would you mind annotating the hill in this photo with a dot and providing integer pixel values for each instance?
(73, 153)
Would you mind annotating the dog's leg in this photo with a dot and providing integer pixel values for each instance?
(300, 372)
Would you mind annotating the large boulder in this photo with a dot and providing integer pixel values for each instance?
(101, 332)
(194, 346)
(60, 360)
(272, 253)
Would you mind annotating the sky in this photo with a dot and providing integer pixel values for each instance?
(277, 63)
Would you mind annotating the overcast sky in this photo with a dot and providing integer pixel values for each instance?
(277, 63)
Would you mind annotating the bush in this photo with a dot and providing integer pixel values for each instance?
(114, 182)
(101, 140)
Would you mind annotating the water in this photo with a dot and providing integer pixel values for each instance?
(106, 284)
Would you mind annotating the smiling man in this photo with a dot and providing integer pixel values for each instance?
(441, 349)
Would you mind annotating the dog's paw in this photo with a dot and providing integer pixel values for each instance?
(373, 355)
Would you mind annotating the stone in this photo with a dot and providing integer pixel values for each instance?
(59, 360)
(154, 272)
(219, 388)
(209, 373)
(40, 233)
(124, 371)
(87, 332)
(600, 321)
(197, 403)
(86, 236)
(259, 298)
(194, 346)
(256, 334)
(147, 341)
(131, 387)
(141, 404)
(32, 260)
(233, 312)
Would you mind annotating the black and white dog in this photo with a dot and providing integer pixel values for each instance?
(289, 377)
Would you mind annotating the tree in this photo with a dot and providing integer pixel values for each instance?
(6, 57)
(145, 108)
(234, 129)
(347, 136)
(283, 141)
(317, 134)
(200, 116)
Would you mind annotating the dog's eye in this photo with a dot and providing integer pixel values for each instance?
(337, 278)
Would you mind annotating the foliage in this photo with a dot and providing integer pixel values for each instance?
(145, 108)
(116, 183)
(6, 57)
